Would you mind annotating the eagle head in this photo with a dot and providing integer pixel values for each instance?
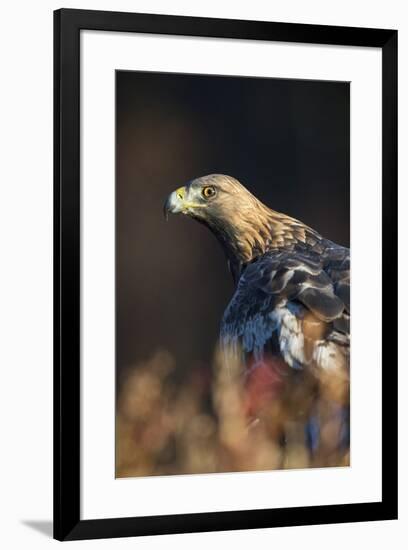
(245, 227)
(211, 199)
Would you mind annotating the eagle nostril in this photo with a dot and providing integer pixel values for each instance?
(180, 193)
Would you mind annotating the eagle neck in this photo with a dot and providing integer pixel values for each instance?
(258, 231)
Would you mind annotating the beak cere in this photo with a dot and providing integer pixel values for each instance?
(175, 202)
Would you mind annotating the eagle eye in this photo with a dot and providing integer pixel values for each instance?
(208, 191)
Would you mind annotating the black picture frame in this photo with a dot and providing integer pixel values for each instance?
(67, 26)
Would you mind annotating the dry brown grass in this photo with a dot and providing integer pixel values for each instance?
(199, 426)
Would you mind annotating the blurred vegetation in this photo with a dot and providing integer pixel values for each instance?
(217, 422)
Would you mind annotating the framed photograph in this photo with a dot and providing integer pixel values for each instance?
(225, 197)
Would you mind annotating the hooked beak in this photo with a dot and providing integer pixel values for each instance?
(175, 202)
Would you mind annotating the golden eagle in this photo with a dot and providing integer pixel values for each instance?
(291, 305)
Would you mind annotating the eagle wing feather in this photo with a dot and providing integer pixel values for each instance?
(294, 304)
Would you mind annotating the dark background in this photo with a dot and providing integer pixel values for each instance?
(286, 140)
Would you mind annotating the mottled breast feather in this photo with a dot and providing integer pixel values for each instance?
(293, 303)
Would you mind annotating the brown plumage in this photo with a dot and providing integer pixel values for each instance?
(292, 296)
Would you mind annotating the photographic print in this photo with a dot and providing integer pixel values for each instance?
(233, 333)
(203, 175)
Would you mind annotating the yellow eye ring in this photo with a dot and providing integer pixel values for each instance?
(208, 191)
